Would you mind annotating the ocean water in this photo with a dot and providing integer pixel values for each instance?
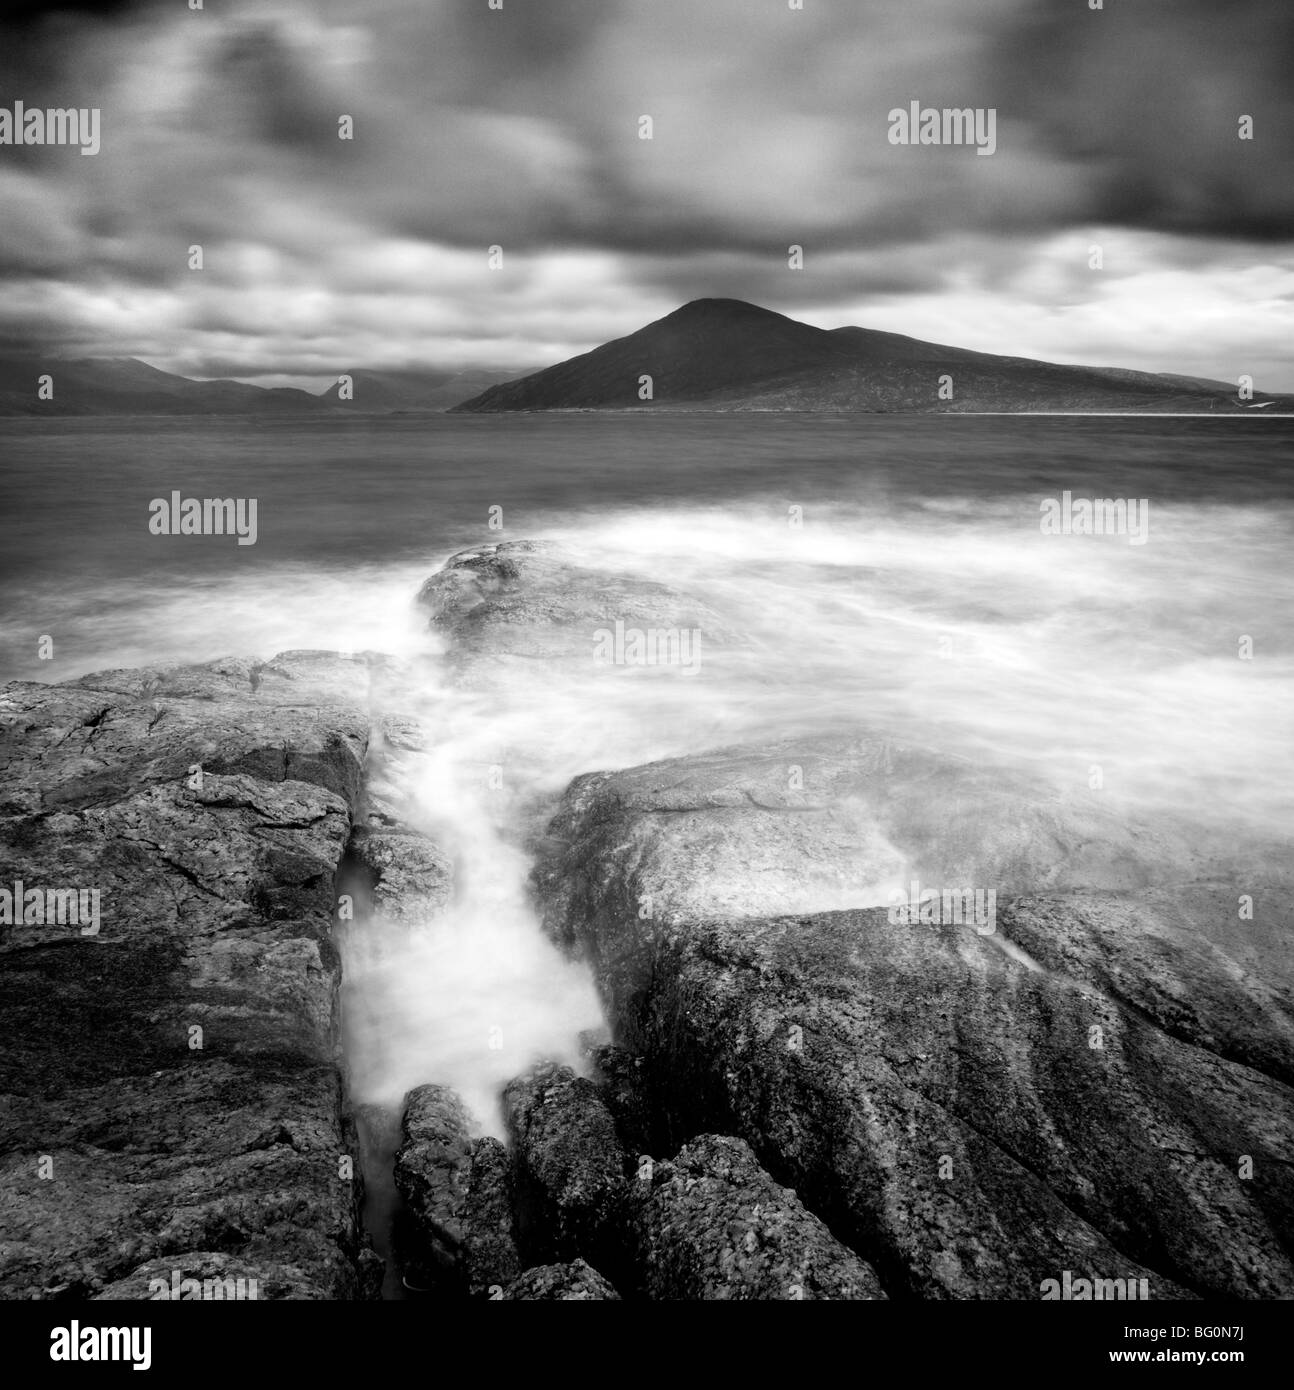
(891, 574)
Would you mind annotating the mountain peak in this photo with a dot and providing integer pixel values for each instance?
(720, 310)
(729, 354)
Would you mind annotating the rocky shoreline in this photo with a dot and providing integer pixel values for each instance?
(802, 1098)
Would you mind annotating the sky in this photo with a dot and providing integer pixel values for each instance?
(520, 128)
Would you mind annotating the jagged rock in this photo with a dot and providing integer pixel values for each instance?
(412, 876)
(457, 1191)
(938, 1101)
(820, 824)
(532, 599)
(560, 1283)
(170, 1079)
(712, 1224)
(315, 677)
(432, 1171)
(1183, 955)
(619, 1075)
(74, 748)
(207, 1276)
(491, 1250)
(570, 1167)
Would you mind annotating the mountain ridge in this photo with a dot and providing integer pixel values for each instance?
(708, 354)
(84, 386)
(728, 354)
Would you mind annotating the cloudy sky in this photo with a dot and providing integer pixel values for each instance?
(519, 127)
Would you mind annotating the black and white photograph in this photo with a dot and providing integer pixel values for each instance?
(646, 655)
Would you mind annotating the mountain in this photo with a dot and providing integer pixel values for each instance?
(712, 354)
(410, 390)
(126, 386)
(729, 355)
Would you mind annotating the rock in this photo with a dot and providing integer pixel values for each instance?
(207, 1276)
(432, 1172)
(570, 1167)
(939, 1101)
(78, 748)
(560, 1283)
(458, 1194)
(1182, 955)
(412, 878)
(169, 1073)
(532, 599)
(815, 825)
(712, 1224)
(619, 1078)
(491, 1250)
(937, 1104)
(326, 678)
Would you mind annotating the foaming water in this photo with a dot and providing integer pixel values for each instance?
(960, 626)
(472, 996)
(127, 623)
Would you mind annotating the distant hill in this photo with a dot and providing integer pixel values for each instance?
(411, 390)
(126, 386)
(712, 354)
(727, 354)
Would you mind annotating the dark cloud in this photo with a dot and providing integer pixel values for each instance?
(23, 14)
(1148, 99)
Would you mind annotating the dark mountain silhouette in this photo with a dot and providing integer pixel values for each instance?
(727, 354)
(126, 386)
(712, 354)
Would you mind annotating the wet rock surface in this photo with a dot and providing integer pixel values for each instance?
(432, 1172)
(570, 1167)
(412, 879)
(208, 1276)
(564, 1283)
(457, 1191)
(620, 1079)
(971, 1124)
(524, 616)
(712, 1224)
(169, 1073)
(812, 825)
(533, 599)
(1209, 963)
